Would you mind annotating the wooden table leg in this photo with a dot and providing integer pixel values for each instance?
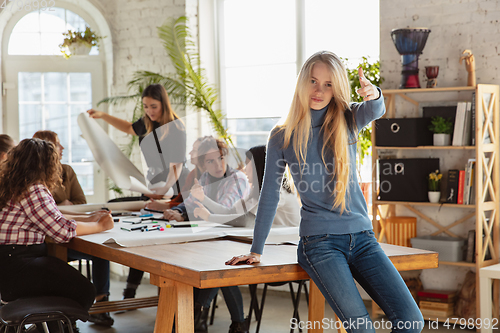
(185, 317)
(175, 299)
(316, 308)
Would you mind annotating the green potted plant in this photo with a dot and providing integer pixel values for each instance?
(364, 144)
(441, 128)
(78, 42)
(435, 186)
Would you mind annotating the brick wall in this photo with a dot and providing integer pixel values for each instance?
(455, 25)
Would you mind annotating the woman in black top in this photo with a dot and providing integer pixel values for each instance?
(157, 113)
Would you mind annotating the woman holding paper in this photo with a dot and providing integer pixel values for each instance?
(157, 113)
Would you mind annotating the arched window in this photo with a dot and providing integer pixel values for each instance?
(44, 91)
(40, 32)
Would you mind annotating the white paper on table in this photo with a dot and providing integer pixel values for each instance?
(204, 231)
(110, 158)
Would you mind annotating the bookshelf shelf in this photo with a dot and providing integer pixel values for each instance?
(427, 90)
(485, 211)
(378, 202)
(458, 263)
(426, 148)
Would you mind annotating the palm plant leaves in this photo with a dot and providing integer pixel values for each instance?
(187, 86)
(182, 51)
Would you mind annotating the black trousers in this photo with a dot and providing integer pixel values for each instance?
(27, 271)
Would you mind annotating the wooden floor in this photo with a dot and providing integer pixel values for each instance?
(276, 318)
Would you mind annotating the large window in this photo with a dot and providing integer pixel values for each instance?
(48, 92)
(40, 32)
(52, 101)
(263, 44)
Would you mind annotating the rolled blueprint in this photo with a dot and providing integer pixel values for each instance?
(110, 158)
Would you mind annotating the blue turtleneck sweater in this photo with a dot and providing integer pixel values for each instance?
(313, 182)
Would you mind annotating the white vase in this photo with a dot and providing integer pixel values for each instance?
(442, 139)
(434, 196)
(79, 48)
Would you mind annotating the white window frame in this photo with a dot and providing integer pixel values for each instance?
(13, 64)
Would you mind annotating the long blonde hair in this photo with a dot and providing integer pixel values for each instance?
(338, 121)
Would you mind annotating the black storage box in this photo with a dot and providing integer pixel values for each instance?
(405, 179)
(403, 132)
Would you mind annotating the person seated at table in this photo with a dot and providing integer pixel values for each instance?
(6, 144)
(288, 211)
(29, 214)
(69, 192)
(224, 185)
(134, 275)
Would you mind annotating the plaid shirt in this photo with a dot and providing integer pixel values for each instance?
(35, 216)
(230, 189)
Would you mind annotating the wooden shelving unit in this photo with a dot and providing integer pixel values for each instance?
(487, 178)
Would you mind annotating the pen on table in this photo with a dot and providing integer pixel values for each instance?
(182, 226)
(154, 219)
(133, 222)
(141, 215)
(155, 227)
(133, 228)
(153, 210)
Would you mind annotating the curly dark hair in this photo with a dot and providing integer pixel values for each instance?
(31, 161)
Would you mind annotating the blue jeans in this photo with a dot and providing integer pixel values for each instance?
(232, 296)
(334, 261)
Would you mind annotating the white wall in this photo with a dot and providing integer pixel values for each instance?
(455, 25)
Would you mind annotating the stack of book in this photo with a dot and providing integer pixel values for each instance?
(461, 185)
(464, 127)
(437, 303)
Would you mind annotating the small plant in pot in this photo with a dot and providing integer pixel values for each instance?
(78, 42)
(441, 128)
(435, 186)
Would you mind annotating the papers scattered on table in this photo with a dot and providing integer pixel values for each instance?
(204, 231)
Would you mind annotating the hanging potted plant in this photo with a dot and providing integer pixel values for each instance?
(78, 42)
(442, 130)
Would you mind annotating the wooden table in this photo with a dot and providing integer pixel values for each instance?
(177, 268)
